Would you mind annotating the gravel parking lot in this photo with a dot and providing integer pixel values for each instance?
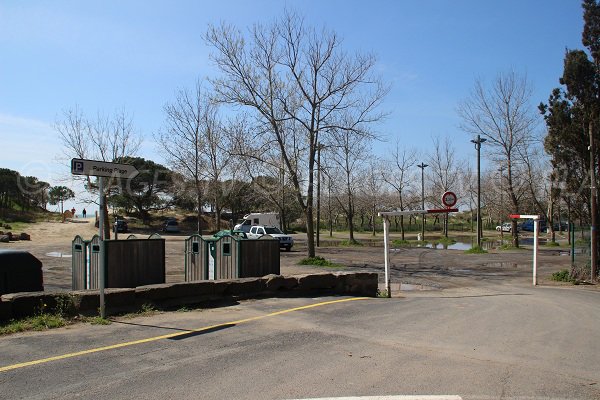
(416, 268)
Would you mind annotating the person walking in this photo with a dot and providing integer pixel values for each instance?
(84, 213)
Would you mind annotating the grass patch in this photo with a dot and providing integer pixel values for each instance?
(582, 242)
(446, 241)
(96, 320)
(40, 322)
(319, 262)
(350, 243)
(476, 250)
(509, 246)
(563, 276)
(552, 244)
(400, 243)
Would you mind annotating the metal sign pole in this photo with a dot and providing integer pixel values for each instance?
(386, 257)
(536, 219)
(535, 250)
(102, 169)
(101, 269)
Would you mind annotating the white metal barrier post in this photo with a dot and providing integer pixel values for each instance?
(386, 241)
(386, 255)
(535, 219)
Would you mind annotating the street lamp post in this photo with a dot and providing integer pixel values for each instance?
(501, 170)
(422, 166)
(478, 148)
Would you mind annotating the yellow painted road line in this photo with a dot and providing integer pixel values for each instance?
(172, 335)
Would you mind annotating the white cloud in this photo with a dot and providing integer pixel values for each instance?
(30, 147)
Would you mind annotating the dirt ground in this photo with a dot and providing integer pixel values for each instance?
(411, 268)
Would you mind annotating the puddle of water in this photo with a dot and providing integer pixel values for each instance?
(58, 254)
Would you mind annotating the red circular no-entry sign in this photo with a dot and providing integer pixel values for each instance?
(449, 199)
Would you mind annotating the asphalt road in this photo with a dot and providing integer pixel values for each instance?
(501, 341)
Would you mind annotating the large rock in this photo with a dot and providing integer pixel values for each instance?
(311, 282)
(357, 283)
(186, 292)
(277, 283)
(4, 239)
(116, 300)
(24, 236)
(245, 286)
(27, 304)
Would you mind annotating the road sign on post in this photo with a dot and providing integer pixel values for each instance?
(102, 169)
(449, 199)
(535, 219)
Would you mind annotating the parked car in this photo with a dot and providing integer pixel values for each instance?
(121, 226)
(563, 226)
(505, 227)
(171, 226)
(528, 225)
(228, 232)
(285, 241)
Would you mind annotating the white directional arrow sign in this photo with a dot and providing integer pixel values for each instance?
(101, 168)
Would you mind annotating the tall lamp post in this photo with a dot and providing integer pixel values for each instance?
(478, 142)
(423, 166)
(501, 170)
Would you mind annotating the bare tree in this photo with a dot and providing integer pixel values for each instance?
(106, 138)
(194, 143)
(398, 175)
(348, 155)
(371, 191)
(300, 86)
(503, 115)
(444, 171)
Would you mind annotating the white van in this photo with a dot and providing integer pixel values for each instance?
(245, 224)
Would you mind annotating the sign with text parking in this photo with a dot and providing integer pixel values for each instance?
(101, 168)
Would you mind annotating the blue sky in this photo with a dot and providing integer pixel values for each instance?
(106, 55)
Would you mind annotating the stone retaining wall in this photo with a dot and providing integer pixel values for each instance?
(19, 305)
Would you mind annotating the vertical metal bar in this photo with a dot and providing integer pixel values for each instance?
(319, 194)
(572, 239)
(535, 250)
(102, 269)
(386, 245)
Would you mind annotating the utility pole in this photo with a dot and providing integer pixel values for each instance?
(594, 233)
(423, 166)
(478, 148)
(319, 146)
(501, 170)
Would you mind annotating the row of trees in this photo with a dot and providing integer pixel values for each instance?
(572, 116)
(301, 117)
(27, 193)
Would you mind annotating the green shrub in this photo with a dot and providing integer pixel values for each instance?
(563, 276)
(318, 261)
(400, 243)
(349, 243)
(446, 241)
(476, 250)
(552, 244)
(508, 246)
(39, 322)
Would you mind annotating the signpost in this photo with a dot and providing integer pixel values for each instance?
(448, 199)
(102, 169)
(535, 219)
